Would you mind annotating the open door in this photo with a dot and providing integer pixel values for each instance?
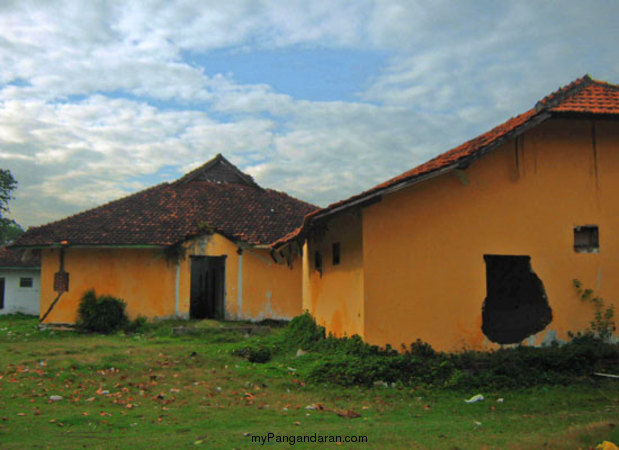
(208, 276)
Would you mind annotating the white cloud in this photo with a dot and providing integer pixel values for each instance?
(77, 129)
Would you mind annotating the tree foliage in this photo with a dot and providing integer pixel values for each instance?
(7, 185)
(9, 233)
(8, 227)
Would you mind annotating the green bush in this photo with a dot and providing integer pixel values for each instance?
(517, 367)
(348, 361)
(303, 332)
(259, 354)
(137, 325)
(103, 314)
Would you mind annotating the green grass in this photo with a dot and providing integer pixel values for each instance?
(191, 391)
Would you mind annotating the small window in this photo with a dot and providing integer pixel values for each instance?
(336, 253)
(586, 239)
(25, 282)
(318, 262)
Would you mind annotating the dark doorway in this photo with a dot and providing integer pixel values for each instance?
(1, 293)
(208, 275)
(516, 305)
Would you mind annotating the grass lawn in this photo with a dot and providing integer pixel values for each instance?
(158, 390)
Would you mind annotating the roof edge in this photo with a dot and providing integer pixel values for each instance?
(359, 199)
(555, 98)
(69, 245)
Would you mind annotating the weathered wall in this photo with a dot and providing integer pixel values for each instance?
(215, 245)
(141, 277)
(335, 297)
(423, 247)
(264, 289)
(154, 287)
(269, 290)
(18, 299)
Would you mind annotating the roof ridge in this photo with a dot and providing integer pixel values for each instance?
(605, 83)
(218, 159)
(555, 98)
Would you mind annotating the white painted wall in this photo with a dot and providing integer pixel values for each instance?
(21, 299)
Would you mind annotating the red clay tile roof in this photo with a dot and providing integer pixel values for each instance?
(10, 257)
(583, 96)
(173, 212)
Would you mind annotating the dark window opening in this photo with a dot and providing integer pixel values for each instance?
(516, 305)
(1, 293)
(586, 239)
(318, 262)
(336, 253)
(25, 282)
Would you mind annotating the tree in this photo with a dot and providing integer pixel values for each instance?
(10, 233)
(7, 186)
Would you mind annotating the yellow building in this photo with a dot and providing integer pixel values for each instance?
(197, 247)
(480, 245)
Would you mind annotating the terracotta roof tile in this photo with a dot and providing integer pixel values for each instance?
(583, 96)
(173, 212)
(10, 257)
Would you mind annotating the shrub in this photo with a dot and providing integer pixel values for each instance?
(260, 354)
(516, 367)
(103, 314)
(137, 325)
(303, 332)
(348, 361)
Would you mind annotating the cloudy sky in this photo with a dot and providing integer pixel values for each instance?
(321, 99)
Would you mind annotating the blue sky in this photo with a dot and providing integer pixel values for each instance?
(314, 74)
(320, 99)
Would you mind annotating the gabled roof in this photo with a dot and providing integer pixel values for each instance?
(16, 258)
(583, 97)
(216, 197)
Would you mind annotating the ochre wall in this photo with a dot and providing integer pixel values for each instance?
(267, 289)
(214, 245)
(151, 286)
(335, 297)
(270, 290)
(424, 274)
(141, 277)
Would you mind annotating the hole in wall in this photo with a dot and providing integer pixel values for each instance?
(516, 305)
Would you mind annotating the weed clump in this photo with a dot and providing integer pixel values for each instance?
(258, 354)
(303, 332)
(101, 314)
(349, 361)
(137, 325)
(516, 367)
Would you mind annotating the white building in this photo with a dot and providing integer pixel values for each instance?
(20, 282)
